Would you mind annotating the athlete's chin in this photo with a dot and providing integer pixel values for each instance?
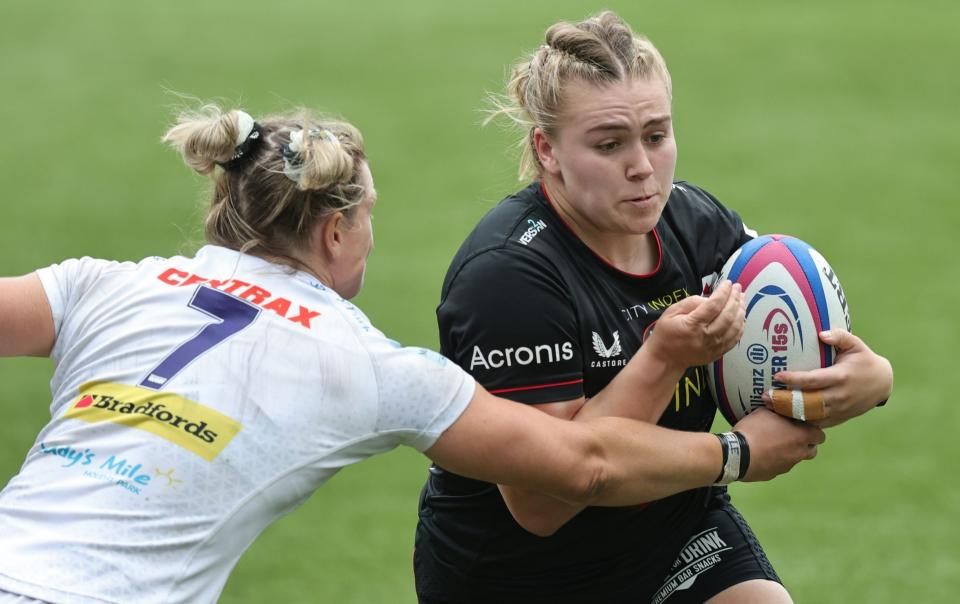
(641, 223)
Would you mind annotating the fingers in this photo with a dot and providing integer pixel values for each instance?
(739, 310)
(841, 339)
(816, 435)
(714, 305)
(815, 379)
(728, 326)
(798, 404)
(719, 318)
(686, 306)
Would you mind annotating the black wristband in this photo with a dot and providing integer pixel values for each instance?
(744, 455)
(732, 447)
(726, 453)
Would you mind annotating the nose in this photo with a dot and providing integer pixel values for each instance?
(638, 164)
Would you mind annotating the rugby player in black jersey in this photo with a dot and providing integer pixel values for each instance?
(551, 295)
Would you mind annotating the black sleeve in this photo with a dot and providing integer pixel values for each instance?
(506, 318)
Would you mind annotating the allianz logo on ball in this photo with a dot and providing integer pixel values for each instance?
(757, 353)
(791, 294)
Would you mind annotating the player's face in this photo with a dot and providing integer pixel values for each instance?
(357, 241)
(613, 156)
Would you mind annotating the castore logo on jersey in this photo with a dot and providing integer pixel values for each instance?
(615, 350)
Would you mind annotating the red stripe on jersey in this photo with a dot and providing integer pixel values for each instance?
(537, 387)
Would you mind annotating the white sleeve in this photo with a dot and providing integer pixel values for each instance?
(65, 285)
(421, 393)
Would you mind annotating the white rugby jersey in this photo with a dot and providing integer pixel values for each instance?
(196, 400)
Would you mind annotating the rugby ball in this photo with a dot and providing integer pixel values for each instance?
(791, 294)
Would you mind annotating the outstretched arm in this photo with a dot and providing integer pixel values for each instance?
(692, 332)
(606, 461)
(859, 381)
(26, 321)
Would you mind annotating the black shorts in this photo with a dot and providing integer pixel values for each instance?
(720, 552)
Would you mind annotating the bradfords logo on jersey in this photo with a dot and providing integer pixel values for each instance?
(607, 354)
(187, 424)
(522, 355)
(534, 229)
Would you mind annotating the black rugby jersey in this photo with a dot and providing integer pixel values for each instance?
(536, 316)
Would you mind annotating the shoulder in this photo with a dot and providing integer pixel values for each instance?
(70, 279)
(690, 201)
(501, 224)
(692, 210)
(507, 241)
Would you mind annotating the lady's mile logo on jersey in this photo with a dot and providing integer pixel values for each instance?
(190, 425)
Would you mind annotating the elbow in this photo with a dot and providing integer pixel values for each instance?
(536, 516)
(593, 479)
(540, 527)
(589, 484)
(598, 483)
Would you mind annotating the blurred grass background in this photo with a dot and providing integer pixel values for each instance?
(836, 122)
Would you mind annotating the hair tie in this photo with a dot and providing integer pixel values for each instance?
(292, 158)
(248, 135)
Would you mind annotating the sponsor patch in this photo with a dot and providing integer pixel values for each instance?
(540, 354)
(607, 353)
(118, 469)
(301, 315)
(701, 553)
(187, 424)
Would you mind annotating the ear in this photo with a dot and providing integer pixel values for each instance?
(544, 149)
(330, 235)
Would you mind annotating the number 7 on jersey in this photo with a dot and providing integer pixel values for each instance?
(233, 313)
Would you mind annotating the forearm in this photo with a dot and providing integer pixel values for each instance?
(643, 463)
(632, 462)
(641, 390)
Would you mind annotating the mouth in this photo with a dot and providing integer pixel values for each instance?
(642, 200)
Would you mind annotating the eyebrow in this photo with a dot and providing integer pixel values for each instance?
(660, 119)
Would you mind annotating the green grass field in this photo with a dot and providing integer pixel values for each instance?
(833, 121)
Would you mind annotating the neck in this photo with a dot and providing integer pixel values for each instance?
(634, 253)
(313, 266)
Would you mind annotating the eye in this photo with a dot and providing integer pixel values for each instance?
(608, 146)
(656, 138)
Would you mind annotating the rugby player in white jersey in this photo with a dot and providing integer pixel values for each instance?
(197, 399)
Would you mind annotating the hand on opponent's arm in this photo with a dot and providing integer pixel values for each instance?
(858, 381)
(695, 331)
(607, 461)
